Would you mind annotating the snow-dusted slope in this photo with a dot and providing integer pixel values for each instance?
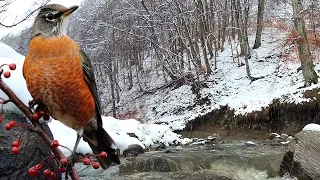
(228, 85)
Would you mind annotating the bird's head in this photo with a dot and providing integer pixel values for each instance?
(52, 20)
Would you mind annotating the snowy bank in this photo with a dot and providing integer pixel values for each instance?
(147, 134)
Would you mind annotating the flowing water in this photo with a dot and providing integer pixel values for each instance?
(231, 161)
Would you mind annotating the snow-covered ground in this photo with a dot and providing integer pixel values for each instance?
(147, 134)
(228, 85)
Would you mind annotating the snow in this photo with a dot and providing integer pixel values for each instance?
(16, 82)
(147, 134)
(228, 85)
(312, 127)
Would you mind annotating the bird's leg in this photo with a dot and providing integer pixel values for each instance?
(32, 103)
(71, 160)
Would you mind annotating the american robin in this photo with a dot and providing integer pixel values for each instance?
(59, 75)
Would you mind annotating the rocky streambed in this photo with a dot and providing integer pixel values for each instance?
(234, 160)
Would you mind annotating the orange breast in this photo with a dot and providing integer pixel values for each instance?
(54, 76)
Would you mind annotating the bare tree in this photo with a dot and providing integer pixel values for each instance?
(257, 42)
(309, 74)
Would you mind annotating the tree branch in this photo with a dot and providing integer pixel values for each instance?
(38, 127)
(25, 18)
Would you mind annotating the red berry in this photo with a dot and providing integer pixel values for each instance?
(103, 155)
(41, 113)
(15, 150)
(62, 170)
(12, 123)
(47, 172)
(0, 118)
(86, 161)
(46, 117)
(95, 165)
(8, 126)
(16, 143)
(33, 172)
(53, 175)
(12, 66)
(36, 117)
(64, 161)
(38, 167)
(54, 144)
(7, 74)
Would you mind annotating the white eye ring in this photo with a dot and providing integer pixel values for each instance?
(50, 17)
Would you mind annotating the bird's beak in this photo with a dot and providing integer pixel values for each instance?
(69, 11)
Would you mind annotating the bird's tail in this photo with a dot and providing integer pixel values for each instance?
(99, 140)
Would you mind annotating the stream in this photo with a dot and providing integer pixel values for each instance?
(234, 160)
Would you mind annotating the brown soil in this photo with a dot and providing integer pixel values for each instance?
(240, 134)
(279, 117)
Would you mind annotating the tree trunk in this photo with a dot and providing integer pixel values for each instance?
(192, 44)
(307, 66)
(112, 88)
(257, 42)
(202, 34)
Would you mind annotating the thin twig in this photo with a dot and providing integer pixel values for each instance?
(25, 18)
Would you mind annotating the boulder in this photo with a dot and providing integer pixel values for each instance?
(133, 150)
(302, 159)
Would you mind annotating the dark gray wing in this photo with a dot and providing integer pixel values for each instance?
(89, 78)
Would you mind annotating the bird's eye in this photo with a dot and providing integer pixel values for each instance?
(50, 17)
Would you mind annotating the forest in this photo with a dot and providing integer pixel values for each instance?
(155, 44)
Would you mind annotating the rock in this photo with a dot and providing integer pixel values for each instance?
(132, 135)
(158, 147)
(290, 138)
(32, 150)
(250, 143)
(133, 150)
(276, 141)
(171, 151)
(157, 164)
(273, 135)
(199, 143)
(284, 137)
(212, 139)
(303, 160)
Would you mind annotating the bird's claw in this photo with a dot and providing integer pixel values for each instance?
(69, 168)
(31, 104)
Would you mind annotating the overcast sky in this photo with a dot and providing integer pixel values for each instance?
(20, 8)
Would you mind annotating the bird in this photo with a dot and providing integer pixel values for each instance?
(60, 78)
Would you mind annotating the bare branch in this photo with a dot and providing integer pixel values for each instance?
(25, 18)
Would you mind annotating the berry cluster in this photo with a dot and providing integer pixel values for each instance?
(16, 144)
(95, 165)
(12, 67)
(35, 170)
(37, 115)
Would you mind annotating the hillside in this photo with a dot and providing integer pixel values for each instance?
(227, 85)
